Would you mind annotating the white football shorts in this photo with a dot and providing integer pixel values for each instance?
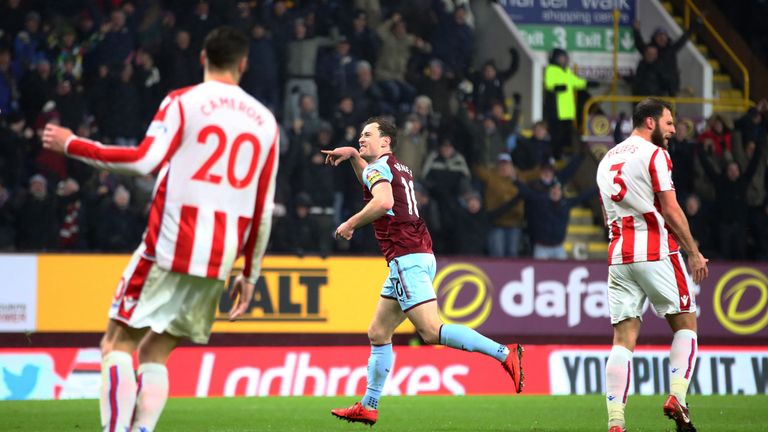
(179, 304)
(665, 283)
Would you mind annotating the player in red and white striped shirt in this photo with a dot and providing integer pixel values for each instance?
(214, 149)
(646, 224)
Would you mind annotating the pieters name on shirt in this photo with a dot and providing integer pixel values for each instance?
(282, 294)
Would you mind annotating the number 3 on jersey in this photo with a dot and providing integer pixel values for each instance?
(619, 181)
(205, 174)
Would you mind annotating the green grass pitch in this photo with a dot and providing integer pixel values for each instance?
(412, 413)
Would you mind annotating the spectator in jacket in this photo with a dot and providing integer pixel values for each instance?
(548, 214)
(29, 44)
(180, 65)
(731, 202)
(119, 226)
(366, 92)
(335, 75)
(532, 152)
(148, 83)
(260, 79)
(757, 219)
(396, 44)
(667, 52)
(412, 145)
(754, 125)
(70, 104)
(72, 216)
(717, 134)
(364, 44)
(10, 75)
(453, 39)
(37, 229)
(506, 232)
(122, 121)
(488, 83)
(650, 78)
(446, 171)
(36, 87)
(682, 151)
(301, 60)
(118, 41)
(701, 227)
(438, 87)
(298, 231)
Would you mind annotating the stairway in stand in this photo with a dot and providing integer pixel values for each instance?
(585, 240)
(723, 84)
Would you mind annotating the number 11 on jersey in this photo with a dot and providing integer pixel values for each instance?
(410, 196)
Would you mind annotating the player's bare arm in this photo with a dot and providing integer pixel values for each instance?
(55, 138)
(336, 156)
(377, 207)
(677, 222)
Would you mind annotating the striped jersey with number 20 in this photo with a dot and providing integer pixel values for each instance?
(214, 148)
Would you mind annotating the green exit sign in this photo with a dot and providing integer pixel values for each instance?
(576, 38)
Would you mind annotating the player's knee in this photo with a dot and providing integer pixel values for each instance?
(627, 341)
(429, 335)
(153, 350)
(106, 345)
(378, 335)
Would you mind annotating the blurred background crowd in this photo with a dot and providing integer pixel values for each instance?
(487, 183)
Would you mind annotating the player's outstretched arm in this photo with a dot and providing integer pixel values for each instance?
(336, 156)
(378, 206)
(675, 218)
(157, 147)
(56, 138)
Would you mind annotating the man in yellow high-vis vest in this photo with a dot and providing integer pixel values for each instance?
(560, 87)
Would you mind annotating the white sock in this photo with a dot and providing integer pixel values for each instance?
(153, 392)
(118, 391)
(682, 360)
(618, 374)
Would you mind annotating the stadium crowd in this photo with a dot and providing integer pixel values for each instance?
(101, 68)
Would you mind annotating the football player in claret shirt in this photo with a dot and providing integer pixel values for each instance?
(407, 246)
(214, 149)
(647, 228)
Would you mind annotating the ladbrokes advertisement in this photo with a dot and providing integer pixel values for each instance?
(339, 295)
(64, 373)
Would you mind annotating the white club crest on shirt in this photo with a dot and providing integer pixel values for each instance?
(157, 128)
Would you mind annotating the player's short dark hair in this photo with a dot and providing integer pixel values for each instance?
(649, 107)
(224, 47)
(386, 129)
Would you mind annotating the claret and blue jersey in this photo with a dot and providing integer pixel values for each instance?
(401, 231)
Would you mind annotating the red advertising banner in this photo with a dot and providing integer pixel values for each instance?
(65, 373)
(332, 371)
(525, 297)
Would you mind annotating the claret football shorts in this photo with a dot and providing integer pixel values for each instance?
(665, 283)
(179, 304)
(410, 280)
